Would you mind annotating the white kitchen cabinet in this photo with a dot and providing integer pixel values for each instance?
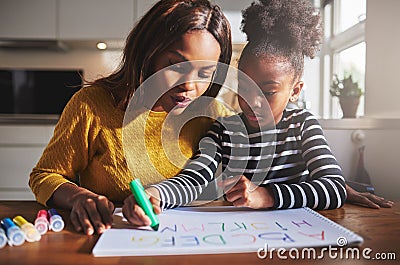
(22, 19)
(95, 19)
(20, 149)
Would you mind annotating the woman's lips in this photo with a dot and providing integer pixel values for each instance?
(181, 101)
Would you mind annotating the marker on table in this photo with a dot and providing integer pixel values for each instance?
(3, 238)
(15, 235)
(41, 222)
(31, 234)
(56, 221)
(144, 202)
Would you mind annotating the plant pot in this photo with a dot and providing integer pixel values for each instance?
(349, 106)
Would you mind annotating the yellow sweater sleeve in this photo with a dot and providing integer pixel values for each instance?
(68, 151)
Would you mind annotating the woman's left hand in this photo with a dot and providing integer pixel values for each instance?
(366, 199)
(242, 192)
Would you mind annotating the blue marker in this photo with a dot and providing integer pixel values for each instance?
(3, 238)
(56, 221)
(15, 235)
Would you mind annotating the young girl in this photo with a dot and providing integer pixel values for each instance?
(284, 150)
(86, 148)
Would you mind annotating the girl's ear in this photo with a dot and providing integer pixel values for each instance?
(298, 86)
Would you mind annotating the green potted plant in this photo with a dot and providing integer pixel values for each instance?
(349, 94)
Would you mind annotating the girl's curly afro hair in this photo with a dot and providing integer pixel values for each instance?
(284, 29)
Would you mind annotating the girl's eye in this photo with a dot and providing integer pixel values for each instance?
(205, 74)
(268, 94)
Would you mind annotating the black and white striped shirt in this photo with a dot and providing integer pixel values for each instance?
(293, 159)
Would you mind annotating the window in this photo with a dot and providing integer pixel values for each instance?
(352, 61)
(343, 51)
(350, 13)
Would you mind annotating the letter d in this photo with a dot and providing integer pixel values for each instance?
(260, 251)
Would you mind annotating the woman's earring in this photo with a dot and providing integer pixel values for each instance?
(292, 99)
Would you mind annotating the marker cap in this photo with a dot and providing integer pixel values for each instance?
(15, 236)
(56, 221)
(42, 225)
(3, 238)
(41, 222)
(31, 234)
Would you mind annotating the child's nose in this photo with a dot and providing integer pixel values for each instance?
(256, 101)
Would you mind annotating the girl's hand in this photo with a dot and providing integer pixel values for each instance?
(366, 199)
(91, 213)
(135, 214)
(242, 192)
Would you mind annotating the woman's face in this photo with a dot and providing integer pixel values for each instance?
(187, 68)
(264, 106)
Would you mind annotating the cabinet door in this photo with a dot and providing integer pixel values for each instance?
(16, 164)
(20, 149)
(24, 19)
(95, 19)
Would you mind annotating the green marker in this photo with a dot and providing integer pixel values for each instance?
(144, 202)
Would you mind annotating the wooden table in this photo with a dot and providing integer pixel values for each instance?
(380, 229)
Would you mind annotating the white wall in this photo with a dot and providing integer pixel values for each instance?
(381, 157)
(383, 57)
(233, 12)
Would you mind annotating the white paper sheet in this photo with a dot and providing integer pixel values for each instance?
(210, 230)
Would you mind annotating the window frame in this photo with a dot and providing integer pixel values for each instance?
(333, 44)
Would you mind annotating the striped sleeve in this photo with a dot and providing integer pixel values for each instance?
(198, 172)
(324, 187)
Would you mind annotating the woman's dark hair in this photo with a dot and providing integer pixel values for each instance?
(161, 26)
(284, 29)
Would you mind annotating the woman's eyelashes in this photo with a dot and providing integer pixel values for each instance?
(178, 67)
(186, 68)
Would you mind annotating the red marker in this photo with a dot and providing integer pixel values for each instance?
(41, 222)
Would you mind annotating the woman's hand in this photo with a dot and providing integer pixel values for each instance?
(242, 192)
(135, 214)
(90, 212)
(366, 199)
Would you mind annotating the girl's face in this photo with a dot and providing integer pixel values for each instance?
(264, 106)
(187, 68)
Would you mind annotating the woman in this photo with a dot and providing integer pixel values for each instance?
(86, 147)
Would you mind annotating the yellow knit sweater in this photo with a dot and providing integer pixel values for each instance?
(87, 148)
